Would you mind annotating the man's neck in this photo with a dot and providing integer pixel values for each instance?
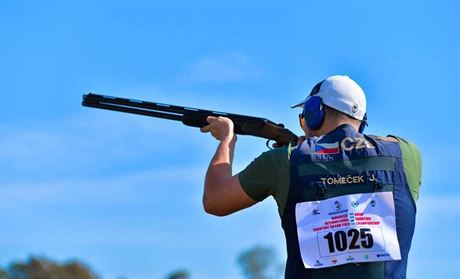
(329, 126)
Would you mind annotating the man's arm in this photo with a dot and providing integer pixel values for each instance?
(223, 193)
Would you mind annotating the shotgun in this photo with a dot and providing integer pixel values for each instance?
(244, 125)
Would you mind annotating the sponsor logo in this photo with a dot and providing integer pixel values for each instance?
(366, 257)
(327, 148)
(318, 263)
(352, 218)
(372, 203)
(316, 211)
(334, 261)
(354, 108)
(337, 206)
(338, 212)
(383, 255)
(350, 258)
(354, 203)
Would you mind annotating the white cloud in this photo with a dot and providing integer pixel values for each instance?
(222, 68)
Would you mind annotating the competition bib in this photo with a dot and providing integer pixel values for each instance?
(347, 229)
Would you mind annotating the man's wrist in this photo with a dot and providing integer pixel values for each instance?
(230, 140)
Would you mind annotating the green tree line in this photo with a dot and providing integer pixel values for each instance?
(255, 263)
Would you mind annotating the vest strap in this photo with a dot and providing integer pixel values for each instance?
(348, 166)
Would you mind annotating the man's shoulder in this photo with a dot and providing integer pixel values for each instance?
(275, 157)
(412, 161)
(408, 148)
(283, 152)
(410, 152)
(403, 142)
(385, 138)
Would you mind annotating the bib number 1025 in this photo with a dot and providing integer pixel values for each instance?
(352, 239)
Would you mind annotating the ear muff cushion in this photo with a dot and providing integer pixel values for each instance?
(313, 112)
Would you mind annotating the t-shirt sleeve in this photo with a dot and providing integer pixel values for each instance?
(412, 161)
(260, 178)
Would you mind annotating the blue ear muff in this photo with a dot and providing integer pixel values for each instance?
(313, 112)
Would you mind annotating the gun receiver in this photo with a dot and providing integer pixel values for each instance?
(244, 125)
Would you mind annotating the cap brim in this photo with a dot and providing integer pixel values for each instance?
(300, 104)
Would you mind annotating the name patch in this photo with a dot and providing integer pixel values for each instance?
(349, 179)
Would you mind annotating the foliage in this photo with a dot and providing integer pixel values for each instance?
(181, 274)
(41, 268)
(3, 274)
(259, 263)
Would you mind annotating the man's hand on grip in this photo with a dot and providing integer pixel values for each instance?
(220, 127)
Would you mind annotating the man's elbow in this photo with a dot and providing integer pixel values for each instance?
(214, 208)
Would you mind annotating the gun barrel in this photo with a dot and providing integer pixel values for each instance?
(131, 106)
(154, 109)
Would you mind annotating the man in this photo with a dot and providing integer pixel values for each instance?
(346, 200)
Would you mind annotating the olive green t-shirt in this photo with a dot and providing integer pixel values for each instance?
(268, 174)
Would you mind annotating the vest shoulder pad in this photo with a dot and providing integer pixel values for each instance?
(390, 138)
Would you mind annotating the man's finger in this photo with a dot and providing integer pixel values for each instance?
(211, 119)
(206, 128)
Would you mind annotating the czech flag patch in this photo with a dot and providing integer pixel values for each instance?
(327, 148)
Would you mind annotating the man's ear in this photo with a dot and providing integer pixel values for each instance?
(302, 123)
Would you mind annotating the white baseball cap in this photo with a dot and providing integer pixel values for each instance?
(340, 93)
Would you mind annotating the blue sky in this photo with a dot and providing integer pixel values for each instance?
(123, 192)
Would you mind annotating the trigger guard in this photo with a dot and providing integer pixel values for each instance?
(268, 144)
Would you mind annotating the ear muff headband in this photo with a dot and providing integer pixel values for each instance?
(363, 124)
